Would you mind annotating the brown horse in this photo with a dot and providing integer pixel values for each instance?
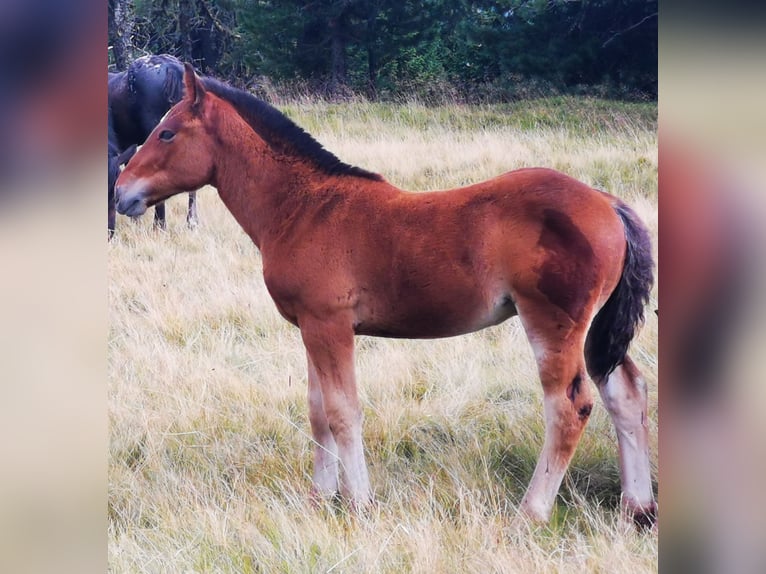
(345, 253)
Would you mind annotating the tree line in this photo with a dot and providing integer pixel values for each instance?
(482, 50)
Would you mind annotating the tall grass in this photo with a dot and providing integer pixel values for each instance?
(210, 453)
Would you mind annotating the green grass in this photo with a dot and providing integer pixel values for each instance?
(210, 452)
(584, 116)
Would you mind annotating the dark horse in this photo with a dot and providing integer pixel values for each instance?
(138, 98)
(345, 252)
(116, 158)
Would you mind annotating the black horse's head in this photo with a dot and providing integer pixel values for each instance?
(115, 160)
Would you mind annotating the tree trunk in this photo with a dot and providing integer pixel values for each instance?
(338, 44)
(372, 60)
(121, 31)
(184, 39)
(208, 39)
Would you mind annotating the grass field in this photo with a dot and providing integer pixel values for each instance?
(210, 453)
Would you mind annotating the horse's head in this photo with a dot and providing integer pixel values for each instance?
(176, 156)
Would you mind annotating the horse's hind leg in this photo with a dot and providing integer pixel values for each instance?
(191, 215)
(159, 215)
(325, 476)
(558, 346)
(624, 395)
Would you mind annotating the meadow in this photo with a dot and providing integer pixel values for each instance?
(210, 449)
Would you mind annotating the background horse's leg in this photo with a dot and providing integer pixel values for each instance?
(558, 345)
(330, 347)
(325, 477)
(625, 397)
(191, 215)
(159, 215)
(111, 218)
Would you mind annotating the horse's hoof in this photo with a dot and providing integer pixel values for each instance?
(534, 514)
(643, 517)
(319, 499)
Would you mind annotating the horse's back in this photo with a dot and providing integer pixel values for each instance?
(158, 84)
(142, 94)
(519, 212)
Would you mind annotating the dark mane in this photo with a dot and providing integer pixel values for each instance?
(281, 132)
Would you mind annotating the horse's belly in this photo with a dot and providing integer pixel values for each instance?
(430, 321)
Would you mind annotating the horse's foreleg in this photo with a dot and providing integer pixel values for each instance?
(191, 215)
(111, 219)
(624, 395)
(325, 475)
(330, 347)
(159, 215)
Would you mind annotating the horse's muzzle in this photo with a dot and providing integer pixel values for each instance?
(128, 203)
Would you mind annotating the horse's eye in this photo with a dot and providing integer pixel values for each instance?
(166, 135)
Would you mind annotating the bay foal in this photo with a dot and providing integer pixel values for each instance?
(345, 253)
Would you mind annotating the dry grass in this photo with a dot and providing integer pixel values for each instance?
(210, 455)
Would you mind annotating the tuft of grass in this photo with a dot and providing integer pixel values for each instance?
(210, 450)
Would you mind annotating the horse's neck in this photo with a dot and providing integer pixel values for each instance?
(259, 187)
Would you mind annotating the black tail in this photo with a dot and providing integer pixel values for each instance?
(615, 324)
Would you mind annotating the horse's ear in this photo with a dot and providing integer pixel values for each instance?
(194, 90)
(125, 156)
